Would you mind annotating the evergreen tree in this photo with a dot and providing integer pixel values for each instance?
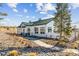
(62, 20)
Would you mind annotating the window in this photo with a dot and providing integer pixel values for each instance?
(36, 30)
(28, 30)
(42, 30)
(23, 30)
(49, 29)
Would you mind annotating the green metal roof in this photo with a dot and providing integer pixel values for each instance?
(36, 23)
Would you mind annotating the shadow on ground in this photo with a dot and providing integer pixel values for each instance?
(31, 37)
(39, 50)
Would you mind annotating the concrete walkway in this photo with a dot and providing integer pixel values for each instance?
(55, 48)
(40, 43)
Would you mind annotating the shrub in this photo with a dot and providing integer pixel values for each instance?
(50, 42)
(24, 42)
(62, 43)
(64, 40)
(32, 54)
(14, 53)
(74, 45)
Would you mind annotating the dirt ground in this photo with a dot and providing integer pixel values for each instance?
(9, 38)
(11, 42)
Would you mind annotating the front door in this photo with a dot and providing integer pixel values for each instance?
(23, 33)
(28, 31)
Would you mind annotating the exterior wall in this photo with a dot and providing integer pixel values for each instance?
(20, 30)
(51, 34)
(41, 35)
(32, 32)
(47, 34)
(31, 29)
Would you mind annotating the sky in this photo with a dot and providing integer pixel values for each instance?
(25, 12)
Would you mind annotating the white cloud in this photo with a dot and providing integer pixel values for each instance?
(45, 7)
(2, 23)
(75, 25)
(70, 7)
(6, 20)
(25, 10)
(20, 15)
(49, 7)
(43, 12)
(33, 17)
(15, 10)
(31, 4)
(13, 6)
(27, 16)
(39, 6)
(74, 5)
(48, 16)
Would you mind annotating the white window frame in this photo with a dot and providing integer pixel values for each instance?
(49, 29)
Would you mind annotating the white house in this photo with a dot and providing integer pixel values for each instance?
(41, 28)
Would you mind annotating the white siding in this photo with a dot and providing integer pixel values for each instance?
(51, 34)
(50, 24)
(47, 34)
(19, 30)
(38, 30)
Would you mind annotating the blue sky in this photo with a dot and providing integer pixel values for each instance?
(25, 12)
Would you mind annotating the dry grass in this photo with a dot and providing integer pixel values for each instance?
(62, 43)
(50, 41)
(8, 29)
(9, 38)
(74, 44)
(32, 54)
